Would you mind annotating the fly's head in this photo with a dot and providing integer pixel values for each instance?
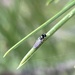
(42, 36)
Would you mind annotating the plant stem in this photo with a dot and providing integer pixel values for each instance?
(48, 34)
(60, 23)
(43, 25)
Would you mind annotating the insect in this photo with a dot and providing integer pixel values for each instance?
(39, 41)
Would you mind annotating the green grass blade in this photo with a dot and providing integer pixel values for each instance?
(43, 25)
(49, 33)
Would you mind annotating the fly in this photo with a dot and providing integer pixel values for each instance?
(39, 41)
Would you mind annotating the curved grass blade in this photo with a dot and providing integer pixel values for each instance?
(42, 26)
(48, 34)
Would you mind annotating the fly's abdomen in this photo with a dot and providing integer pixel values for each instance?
(37, 43)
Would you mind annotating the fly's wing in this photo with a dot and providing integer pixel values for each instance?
(37, 43)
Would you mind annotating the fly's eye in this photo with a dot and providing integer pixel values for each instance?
(42, 36)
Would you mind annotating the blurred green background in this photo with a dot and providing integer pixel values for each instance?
(18, 18)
